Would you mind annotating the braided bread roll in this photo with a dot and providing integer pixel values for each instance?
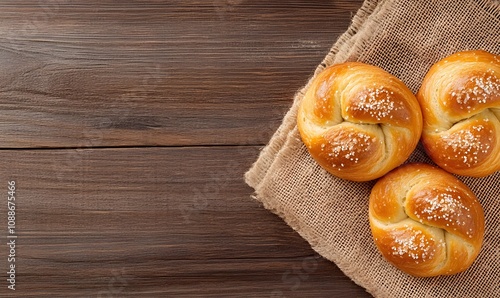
(425, 221)
(358, 121)
(460, 100)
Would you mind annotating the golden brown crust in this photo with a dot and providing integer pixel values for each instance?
(425, 221)
(358, 121)
(460, 100)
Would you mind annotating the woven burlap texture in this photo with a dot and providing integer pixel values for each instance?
(405, 38)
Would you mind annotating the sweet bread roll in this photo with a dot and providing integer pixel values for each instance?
(460, 100)
(425, 221)
(358, 121)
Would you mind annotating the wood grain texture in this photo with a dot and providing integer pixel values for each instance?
(154, 226)
(135, 73)
(128, 125)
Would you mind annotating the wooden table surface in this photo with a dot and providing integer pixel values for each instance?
(127, 127)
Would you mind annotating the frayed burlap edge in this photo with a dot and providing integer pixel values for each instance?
(343, 49)
(283, 143)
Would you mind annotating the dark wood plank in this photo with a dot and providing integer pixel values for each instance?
(153, 222)
(139, 73)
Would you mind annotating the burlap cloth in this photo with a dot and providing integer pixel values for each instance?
(405, 38)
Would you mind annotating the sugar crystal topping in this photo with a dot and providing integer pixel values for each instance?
(446, 206)
(478, 90)
(414, 244)
(378, 102)
(466, 145)
(347, 146)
